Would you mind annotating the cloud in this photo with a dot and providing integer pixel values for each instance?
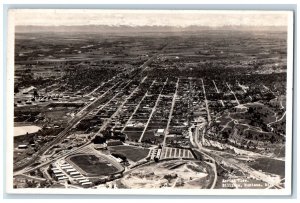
(47, 17)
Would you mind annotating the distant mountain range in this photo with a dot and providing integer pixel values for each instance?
(125, 28)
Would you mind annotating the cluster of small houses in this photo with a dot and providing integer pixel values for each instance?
(67, 172)
(31, 95)
(30, 100)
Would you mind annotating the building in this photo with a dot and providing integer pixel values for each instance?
(22, 146)
(113, 142)
(75, 173)
(100, 146)
(29, 90)
(160, 132)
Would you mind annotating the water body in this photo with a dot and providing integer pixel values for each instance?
(22, 130)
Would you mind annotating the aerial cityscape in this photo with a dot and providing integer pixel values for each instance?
(150, 107)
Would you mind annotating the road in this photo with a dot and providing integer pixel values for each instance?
(95, 101)
(153, 110)
(166, 132)
(197, 138)
(244, 89)
(218, 92)
(150, 60)
(27, 170)
(79, 116)
(33, 177)
(206, 102)
(87, 95)
(107, 121)
(137, 107)
(243, 167)
(128, 97)
(232, 92)
(269, 90)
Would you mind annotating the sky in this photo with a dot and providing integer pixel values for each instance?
(47, 17)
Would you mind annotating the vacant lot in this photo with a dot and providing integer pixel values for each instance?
(171, 174)
(133, 135)
(131, 152)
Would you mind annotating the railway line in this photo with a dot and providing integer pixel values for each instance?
(78, 117)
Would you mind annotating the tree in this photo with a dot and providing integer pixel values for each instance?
(35, 94)
(272, 140)
(31, 140)
(32, 173)
(225, 135)
(16, 90)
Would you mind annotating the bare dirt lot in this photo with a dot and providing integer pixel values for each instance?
(170, 174)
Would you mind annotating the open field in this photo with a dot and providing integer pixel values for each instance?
(130, 152)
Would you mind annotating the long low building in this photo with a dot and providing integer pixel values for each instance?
(74, 173)
(81, 178)
(84, 181)
(56, 171)
(77, 176)
(70, 170)
(66, 167)
(63, 178)
(59, 174)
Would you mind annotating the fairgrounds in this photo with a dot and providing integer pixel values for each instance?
(92, 165)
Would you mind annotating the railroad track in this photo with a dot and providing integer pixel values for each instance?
(27, 162)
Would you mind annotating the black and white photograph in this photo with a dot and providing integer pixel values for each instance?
(135, 101)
